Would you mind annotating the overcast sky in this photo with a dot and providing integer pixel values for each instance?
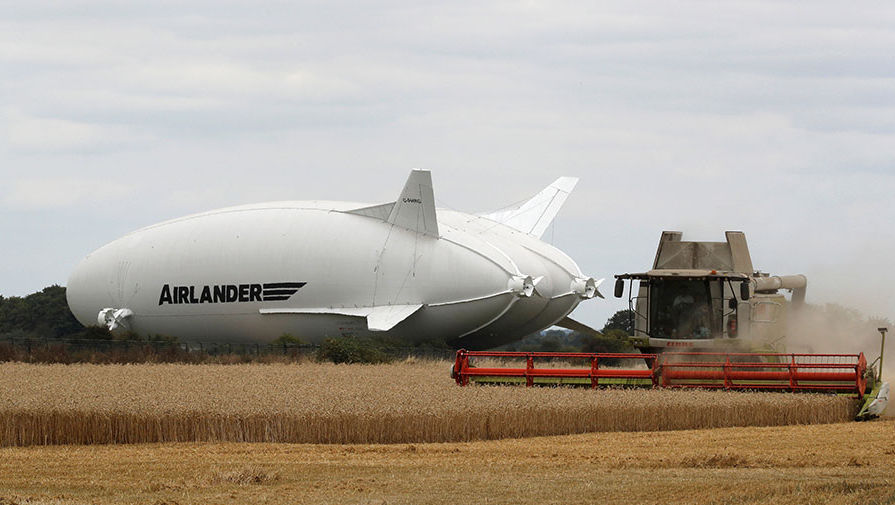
(773, 118)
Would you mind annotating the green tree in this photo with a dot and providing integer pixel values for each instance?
(41, 314)
(353, 350)
(611, 341)
(286, 340)
(621, 320)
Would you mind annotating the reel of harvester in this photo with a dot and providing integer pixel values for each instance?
(846, 374)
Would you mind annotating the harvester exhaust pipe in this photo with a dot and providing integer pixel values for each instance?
(882, 348)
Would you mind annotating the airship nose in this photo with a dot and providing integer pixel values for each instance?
(75, 296)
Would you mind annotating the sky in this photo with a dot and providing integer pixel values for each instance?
(774, 118)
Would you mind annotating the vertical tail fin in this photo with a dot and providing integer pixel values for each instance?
(414, 209)
(535, 215)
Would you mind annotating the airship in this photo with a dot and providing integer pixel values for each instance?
(323, 269)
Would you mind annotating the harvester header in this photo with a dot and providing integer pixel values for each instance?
(842, 373)
(846, 374)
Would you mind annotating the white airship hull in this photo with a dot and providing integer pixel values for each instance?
(324, 269)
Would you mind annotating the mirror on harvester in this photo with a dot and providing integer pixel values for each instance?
(744, 290)
(619, 287)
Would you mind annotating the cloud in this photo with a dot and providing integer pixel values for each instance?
(41, 134)
(58, 192)
(774, 118)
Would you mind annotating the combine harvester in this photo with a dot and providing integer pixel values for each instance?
(703, 298)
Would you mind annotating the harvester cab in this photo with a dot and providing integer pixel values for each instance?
(706, 296)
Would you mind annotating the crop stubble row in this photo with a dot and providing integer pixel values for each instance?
(326, 403)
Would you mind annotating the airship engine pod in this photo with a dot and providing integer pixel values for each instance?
(317, 269)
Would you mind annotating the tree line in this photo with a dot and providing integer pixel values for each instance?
(46, 315)
(828, 328)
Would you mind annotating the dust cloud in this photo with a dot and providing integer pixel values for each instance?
(833, 328)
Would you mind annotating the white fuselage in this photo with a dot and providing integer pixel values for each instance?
(311, 269)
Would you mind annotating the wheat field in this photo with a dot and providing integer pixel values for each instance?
(830, 464)
(405, 402)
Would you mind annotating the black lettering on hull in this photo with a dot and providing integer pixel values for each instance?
(228, 293)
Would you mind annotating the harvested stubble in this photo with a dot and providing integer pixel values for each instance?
(326, 403)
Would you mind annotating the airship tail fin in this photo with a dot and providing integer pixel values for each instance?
(535, 215)
(571, 324)
(379, 318)
(384, 318)
(414, 209)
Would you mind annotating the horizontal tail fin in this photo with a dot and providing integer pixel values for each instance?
(571, 324)
(379, 318)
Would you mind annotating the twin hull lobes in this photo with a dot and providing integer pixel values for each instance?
(314, 270)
